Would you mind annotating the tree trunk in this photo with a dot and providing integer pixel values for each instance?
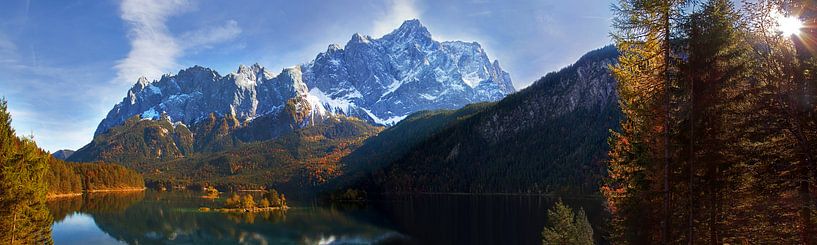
(13, 225)
(667, 212)
(713, 232)
(805, 211)
(690, 212)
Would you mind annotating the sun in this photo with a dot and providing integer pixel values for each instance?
(788, 25)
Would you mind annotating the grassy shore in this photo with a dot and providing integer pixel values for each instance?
(74, 194)
(244, 210)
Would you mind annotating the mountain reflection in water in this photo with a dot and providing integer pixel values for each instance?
(174, 218)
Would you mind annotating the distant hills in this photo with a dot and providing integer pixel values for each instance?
(63, 154)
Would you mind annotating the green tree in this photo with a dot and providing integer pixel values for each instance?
(715, 69)
(567, 227)
(742, 131)
(24, 218)
(275, 199)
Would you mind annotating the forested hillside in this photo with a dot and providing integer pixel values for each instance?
(394, 142)
(549, 137)
(302, 159)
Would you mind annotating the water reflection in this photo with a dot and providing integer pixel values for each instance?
(174, 218)
(79, 228)
(480, 219)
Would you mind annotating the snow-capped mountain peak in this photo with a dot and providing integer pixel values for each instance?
(380, 80)
(410, 29)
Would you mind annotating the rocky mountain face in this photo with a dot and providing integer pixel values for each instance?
(549, 137)
(383, 80)
(195, 93)
(378, 80)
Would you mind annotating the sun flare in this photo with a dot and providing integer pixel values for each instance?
(789, 25)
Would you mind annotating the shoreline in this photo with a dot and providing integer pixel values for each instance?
(241, 210)
(75, 194)
(573, 196)
(62, 195)
(117, 190)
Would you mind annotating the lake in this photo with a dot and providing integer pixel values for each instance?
(174, 218)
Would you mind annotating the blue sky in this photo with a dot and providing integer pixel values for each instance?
(64, 64)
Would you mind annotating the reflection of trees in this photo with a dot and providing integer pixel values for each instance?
(488, 219)
(100, 202)
(61, 208)
(173, 217)
(110, 202)
(146, 224)
(250, 217)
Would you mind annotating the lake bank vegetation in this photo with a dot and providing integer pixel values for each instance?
(270, 200)
(29, 175)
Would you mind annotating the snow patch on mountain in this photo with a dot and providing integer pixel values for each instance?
(381, 80)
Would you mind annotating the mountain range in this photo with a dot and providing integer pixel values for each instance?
(400, 113)
(547, 138)
(378, 80)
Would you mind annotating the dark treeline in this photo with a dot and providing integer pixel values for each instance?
(536, 140)
(717, 143)
(29, 174)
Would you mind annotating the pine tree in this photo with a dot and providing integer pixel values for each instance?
(717, 62)
(24, 218)
(567, 227)
(783, 94)
(640, 156)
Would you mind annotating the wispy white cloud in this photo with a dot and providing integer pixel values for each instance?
(399, 11)
(205, 38)
(8, 51)
(154, 49)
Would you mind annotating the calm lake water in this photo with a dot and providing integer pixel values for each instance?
(173, 218)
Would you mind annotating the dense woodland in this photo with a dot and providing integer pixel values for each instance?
(24, 218)
(298, 160)
(550, 144)
(28, 175)
(718, 138)
(66, 178)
